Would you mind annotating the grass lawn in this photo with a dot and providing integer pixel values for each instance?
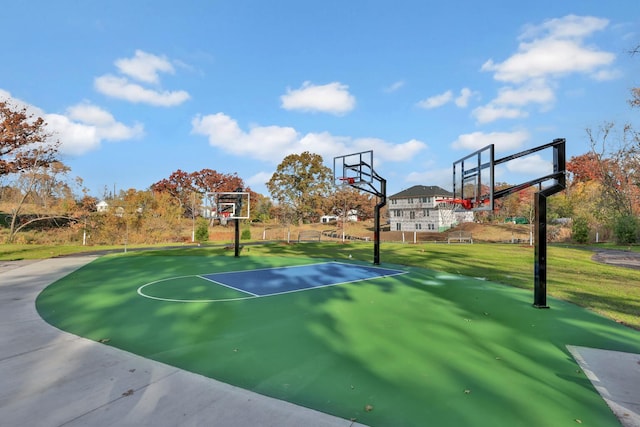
(445, 344)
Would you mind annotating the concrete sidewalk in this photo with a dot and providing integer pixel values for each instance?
(52, 378)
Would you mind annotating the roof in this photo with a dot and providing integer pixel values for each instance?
(422, 191)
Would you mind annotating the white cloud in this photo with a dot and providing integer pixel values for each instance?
(548, 58)
(85, 126)
(547, 52)
(462, 100)
(387, 152)
(570, 26)
(75, 138)
(82, 128)
(259, 179)
(394, 86)
(121, 88)
(503, 141)
(490, 113)
(442, 177)
(557, 48)
(143, 67)
(333, 98)
(105, 124)
(436, 100)
(605, 75)
(269, 143)
(273, 143)
(537, 92)
(530, 165)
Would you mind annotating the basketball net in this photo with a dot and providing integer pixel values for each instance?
(447, 212)
(447, 209)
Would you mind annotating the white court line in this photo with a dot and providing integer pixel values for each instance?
(227, 286)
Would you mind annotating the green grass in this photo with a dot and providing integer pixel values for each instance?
(16, 252)
(423, 348)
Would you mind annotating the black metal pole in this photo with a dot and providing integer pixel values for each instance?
(237, 233)
(376, 221)
(238, 202)
(540, 263)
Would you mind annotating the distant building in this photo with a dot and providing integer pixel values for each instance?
(328, 218)
(417, 209)
(352, 216)
(102, 206)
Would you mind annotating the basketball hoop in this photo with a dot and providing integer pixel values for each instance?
(455, 203)
(347, 180)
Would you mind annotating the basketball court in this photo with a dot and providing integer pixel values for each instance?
(388, 345)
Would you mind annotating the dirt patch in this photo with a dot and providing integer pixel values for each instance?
(619, 258)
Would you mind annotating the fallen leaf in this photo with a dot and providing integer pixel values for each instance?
(104, 340)
(368, 408)
(467, 391)
(128, 392)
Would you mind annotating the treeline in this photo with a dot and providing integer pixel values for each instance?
(39, 195)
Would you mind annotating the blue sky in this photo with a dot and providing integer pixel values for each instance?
(136, 90)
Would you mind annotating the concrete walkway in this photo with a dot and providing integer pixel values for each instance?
(52, 378)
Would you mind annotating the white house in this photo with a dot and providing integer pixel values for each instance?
(102, 206)
(417, 209)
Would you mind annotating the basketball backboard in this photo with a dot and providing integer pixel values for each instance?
(229, 205)
(354, 169)
(473, 179)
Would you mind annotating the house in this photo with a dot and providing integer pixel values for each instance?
(325, 219)
(419, 208)
(102, 206)
(352, 216)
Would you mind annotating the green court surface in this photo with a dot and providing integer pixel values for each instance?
(422, 348)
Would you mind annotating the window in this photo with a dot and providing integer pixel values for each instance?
(398, 227)
(394, 201)
(410, 200)
(431, 227)
(412, 215)
(418, 226)
(425, 212)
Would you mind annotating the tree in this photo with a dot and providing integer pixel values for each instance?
(617, 164)
(626, 229)
(181, 186)
(28, 151)
(584, 168)
(301, 182)
(202, 230)
(43, 195)
(580, 229)
(635, 92)
(348, 199)
(24, 141)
